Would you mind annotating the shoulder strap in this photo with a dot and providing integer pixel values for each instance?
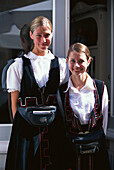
(100, 88)
(4, 74)
(4, 71)
(4, 85)
(54, 78)
(28, 79)
(54, 73)
(61, 95)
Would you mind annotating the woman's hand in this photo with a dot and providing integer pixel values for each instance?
(14, 99)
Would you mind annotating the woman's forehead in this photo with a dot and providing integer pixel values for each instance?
(77, 54)
(42, 29)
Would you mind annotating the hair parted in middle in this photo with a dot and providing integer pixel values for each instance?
(41, 21)
(79, 47)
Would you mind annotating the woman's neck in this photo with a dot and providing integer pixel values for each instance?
(79, 81)
(40, 53)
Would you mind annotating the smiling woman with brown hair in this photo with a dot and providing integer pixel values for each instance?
(86, 114)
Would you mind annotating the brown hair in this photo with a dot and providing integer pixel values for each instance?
(79, 47)
(25, 38)
(41, 21)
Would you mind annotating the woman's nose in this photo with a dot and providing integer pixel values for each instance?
(43, 39)
(77, 65)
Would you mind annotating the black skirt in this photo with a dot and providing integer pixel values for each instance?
(35, 148)
(96, 161)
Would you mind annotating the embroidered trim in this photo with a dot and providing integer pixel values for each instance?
(73, 124)
(28, 101)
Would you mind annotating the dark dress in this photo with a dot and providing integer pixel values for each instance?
(74, 160)
(30, 147)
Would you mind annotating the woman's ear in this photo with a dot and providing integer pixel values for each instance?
(51, 34)
(89, 61)
(31, 35)
(67, 60)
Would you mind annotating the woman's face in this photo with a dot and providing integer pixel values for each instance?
(78, 63)
(42, 37)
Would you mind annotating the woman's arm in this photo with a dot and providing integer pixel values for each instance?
(13, 81)
(105, 109)
(14, 99)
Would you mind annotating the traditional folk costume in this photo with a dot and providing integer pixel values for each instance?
(37, 78)
(85, 119)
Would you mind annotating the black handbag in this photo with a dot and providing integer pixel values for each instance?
(86, 143)
(38, 115)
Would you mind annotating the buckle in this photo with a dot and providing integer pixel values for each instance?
(89, 148)
(81, 133)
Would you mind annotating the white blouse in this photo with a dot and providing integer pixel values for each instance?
(82, 102)
(41, 67)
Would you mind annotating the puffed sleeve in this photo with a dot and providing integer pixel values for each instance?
(14, 75)
(64, 70)
(105, 109)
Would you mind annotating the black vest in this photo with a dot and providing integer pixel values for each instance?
(72, 123)
(31, 94)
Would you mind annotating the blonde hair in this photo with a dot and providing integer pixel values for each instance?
(41, 21)
(79, 47)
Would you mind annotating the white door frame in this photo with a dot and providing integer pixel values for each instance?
(61, 30)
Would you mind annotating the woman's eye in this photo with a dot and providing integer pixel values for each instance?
(38, 35)
(81, 61)
(72, 61)
(47, 35)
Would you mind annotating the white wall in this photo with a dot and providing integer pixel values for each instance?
(5, 132)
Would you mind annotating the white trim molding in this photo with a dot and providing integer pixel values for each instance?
(60, 27)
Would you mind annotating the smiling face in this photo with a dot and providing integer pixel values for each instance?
(78, 63)
(42, 37)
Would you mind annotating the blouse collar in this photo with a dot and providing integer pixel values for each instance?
(88, 85)
(33, 56)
